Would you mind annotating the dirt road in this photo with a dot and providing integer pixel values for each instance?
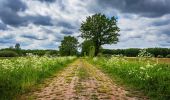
(82, 81)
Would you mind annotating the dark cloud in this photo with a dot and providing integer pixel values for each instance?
(67, 32)
(11, 18)
(135, 36)
(3, 41)
(3, 26)
(9, 9)
(165, 31)
(57, 38)
(165, 44)
(9, 36)
(147, 8)
(9, 14)
(128, 29)
(65, 24)
(17, 20)
(50, 1)
(7, 39)
(46, 30)
(161, 22)
(39, 20)
(32, 37)
(12, 5)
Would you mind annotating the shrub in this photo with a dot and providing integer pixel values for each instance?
(168, 56)
(160, 56)
(144, 53)
(8, 54)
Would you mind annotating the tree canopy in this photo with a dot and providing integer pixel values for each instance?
(17, 46)
(100, 29)
(68, 46)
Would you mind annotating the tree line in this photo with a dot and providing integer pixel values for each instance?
(17, 51)
(133, 52)
(96, 31)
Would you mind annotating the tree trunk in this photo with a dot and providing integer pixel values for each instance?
(96, 50)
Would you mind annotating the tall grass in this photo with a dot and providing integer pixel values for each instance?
(17, 75)
(152, 78)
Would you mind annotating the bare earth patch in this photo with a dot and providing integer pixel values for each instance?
(82, 81)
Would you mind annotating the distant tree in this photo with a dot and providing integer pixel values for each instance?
(18, 49)
(11, 47)
(86, 47)
(68, 46)
(17, 46)
(100, 29)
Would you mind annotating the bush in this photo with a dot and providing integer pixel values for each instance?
(160, 56)
(168, 56)
(8, 54)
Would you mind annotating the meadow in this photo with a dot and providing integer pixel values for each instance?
(19, 75)
(149, 75)
(154, 60)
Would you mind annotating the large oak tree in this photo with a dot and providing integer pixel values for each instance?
(100, 29)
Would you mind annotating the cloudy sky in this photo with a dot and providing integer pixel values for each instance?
(42, 24)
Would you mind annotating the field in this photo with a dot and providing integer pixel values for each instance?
(19, 75)
(148, 75)
(34, 77)
(155, 60)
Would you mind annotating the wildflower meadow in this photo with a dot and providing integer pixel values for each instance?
(143, 74)
(17, 75)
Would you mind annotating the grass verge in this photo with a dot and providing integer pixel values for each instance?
(153, 79)
(18, 76)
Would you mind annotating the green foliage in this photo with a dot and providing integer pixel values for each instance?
(168, 56)
(160, 56)
(92, 51)
(68, 46)
(133, 52)
(8, 54)
(51, 53)
(100, 29)
(159, 51)
(144, 53)
(17, 46)
(147, 76)
(23, 52)
(20, 74)
(85, 54)
(86, 46)
(40, 52)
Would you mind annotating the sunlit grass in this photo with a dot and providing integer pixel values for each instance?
(151, 77)
(18, 75)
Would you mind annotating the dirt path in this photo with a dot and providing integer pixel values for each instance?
(82, 81)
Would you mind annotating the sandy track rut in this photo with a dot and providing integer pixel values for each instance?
(82, 81)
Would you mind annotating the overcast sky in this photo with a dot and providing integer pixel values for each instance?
(42, 24)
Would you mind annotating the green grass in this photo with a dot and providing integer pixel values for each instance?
(18, 75)
(155, 60)
(152, 78)
(82, 73)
